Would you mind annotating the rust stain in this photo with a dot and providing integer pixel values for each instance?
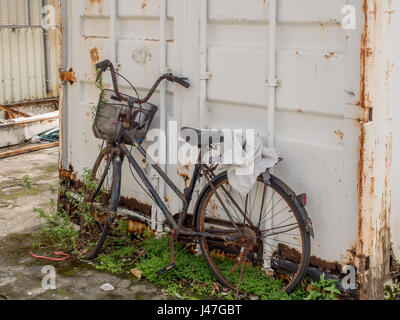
(365, 103)
(184, 172)
(99, 3)
(86, 37)
(95, 58)
(67, 175)
(349, 257)
(12, 114)
(339, 133)
(390, 12)
(135, 205)
(158, 40)
(329, 55)
(139, 228)
(373, 242)
(67, 76)
(366, 55)
(328, 266)
(293, 255)
(94, 55)
(389, 69)
(70, 177)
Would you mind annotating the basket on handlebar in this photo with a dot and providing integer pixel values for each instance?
(112, 116)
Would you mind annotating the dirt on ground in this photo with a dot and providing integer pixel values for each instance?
(24, 184)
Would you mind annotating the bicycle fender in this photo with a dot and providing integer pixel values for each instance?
(303, 212)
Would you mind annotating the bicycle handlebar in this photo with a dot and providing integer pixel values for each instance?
(107, 64)
(182, 81)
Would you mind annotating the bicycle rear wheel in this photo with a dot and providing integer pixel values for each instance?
(109, 189)
(266, 227)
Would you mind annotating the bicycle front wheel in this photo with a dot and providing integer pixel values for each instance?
(96, 240)
(265, 228)
(102, 176)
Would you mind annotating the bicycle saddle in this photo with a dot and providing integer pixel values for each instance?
(204, 137)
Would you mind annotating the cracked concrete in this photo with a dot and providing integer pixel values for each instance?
(20, 274)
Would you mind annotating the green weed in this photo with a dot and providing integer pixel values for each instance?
(325, 289)
(192, 272)
(392, 292)
(58, 230)
(118, 261)
(28, 182)
(192, 279)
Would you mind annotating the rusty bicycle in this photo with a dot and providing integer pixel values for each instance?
(267, 229)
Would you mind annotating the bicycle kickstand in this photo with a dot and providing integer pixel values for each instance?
(242, 259)
(171, 236)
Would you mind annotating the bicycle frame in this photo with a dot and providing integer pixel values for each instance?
(186, 197)
(244, 234)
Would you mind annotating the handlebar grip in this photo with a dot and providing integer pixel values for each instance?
(103, 64)
(182, 81)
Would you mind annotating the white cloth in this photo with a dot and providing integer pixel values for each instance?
(248, 164)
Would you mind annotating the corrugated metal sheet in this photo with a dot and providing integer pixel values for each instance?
(22, 55)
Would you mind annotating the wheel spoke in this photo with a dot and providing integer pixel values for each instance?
(262, 205)
(250, 231)
(274, 216)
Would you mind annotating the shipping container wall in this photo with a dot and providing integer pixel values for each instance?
(23, 53)
(393, 80)
(318, 98)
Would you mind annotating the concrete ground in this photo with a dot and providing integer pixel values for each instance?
(20, 274)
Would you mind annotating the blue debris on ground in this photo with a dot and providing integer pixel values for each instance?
(51, 136)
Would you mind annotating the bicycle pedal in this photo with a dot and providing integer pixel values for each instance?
(166, 269)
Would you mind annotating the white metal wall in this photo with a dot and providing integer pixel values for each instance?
(316, 128)
(318, 112)
(22, 52)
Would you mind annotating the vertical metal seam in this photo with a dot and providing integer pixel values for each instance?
(163, 116)
(203, 63)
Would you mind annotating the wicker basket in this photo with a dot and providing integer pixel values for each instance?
(112, 114)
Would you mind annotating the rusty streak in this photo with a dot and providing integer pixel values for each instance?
(67, 76)
(373, 241)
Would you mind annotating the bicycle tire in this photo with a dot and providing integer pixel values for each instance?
(105, 154)
(210, 254)
(112, 209)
